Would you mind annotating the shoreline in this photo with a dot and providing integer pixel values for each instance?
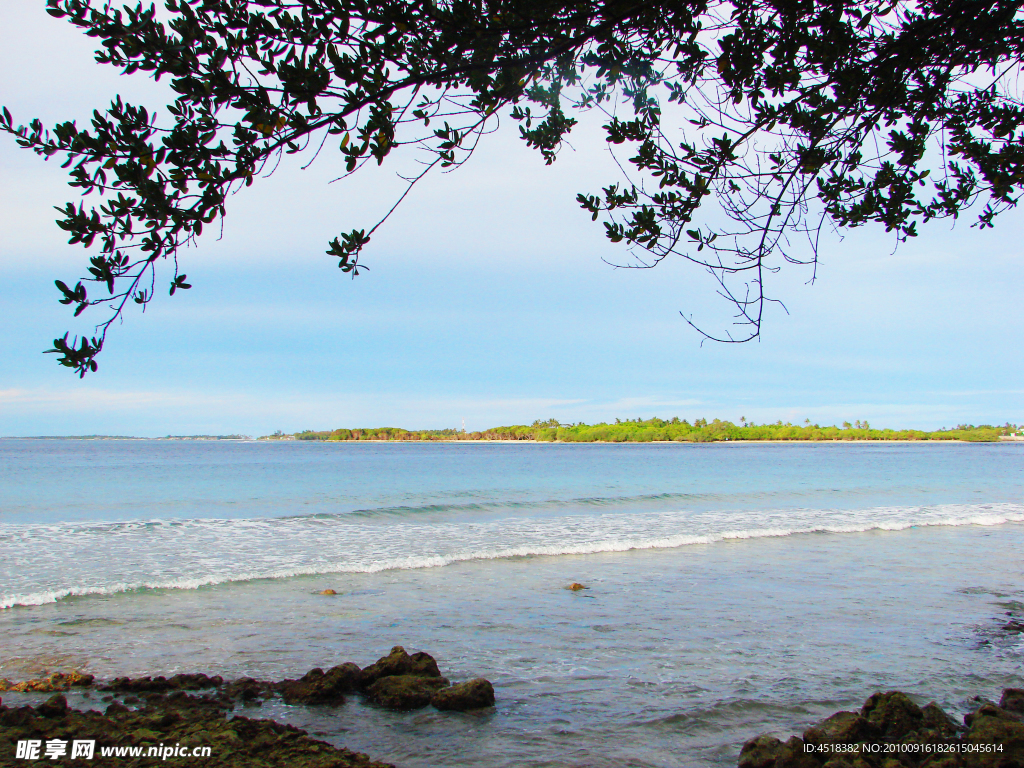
(206, 716)
(210, 717)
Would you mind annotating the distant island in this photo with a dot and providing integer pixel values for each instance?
(664, 430)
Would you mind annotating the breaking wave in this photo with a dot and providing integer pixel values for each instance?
(132, 557)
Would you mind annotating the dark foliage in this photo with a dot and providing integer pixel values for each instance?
(786, 115)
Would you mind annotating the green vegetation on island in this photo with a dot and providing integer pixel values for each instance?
(662, 430)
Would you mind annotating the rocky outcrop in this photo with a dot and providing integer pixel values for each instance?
(188, 682)
(1013, 700)
(404, 691)
(58, 681)
(769, 752)
(991, 724)
(399, 662)
(842, 728)
(891, 731)
(173, 720)
(399, 680)
(319, 687)
(473, 694)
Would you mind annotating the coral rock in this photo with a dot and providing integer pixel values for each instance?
(760, 752)
(319, 687)
(1012, 699)
(404, 691)
(398, 662)
(842, 728)
(893, 713)
(473, 694)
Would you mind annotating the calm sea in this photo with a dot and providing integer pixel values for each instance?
(733, 588)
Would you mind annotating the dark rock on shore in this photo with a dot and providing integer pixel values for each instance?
(768, 752)
(249, 690)
(1013, 700)
(842, 728)
(172, 720)
(188, 682)
(473, 694)
(399, 680)
(891, 731)
(893, 714)
(403, 681)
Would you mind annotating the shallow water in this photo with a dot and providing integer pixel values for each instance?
(733, 589)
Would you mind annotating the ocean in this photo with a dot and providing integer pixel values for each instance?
(732, 589)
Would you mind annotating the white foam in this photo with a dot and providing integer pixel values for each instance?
(62, 561)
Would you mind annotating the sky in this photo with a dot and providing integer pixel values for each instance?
(490, 299)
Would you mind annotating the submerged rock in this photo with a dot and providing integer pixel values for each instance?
(473, 694)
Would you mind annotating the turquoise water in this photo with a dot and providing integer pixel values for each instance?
(734, 589)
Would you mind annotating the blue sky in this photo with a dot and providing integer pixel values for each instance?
(487, 300)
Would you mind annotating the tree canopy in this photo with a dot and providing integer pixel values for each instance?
(788, 116)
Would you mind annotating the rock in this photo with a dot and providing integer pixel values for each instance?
(935, 717)
(398, 662)
(1012, 699)
(847, 761)
(941, 761)
(179, 699)
(195, 682)
(184, 682)
(319, 687)
(994, 737)
(56, 706)
(988, 709)
(993, 725)
(794, 755)
(58, 681)
(404, 691)
(249, 690)
(760, 752)
(893, 714)
(328, 592)
(842, 728)
(473, 694)
(236, 743)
